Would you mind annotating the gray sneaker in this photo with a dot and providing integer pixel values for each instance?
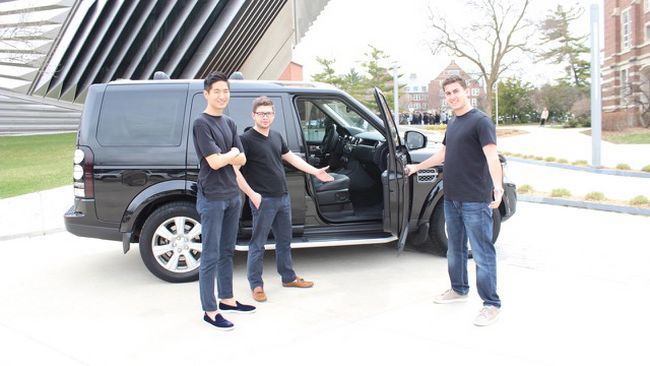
(449, 296)
(488, 315)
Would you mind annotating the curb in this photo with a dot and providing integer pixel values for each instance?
(584, 204)
(32, 234)
(607, 171)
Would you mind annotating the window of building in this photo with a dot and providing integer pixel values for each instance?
(475, 92)
(474, 102)
(647, 31)
(626, 29)
(625, 86)
(646, 5)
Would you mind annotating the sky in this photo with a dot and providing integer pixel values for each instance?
(401, 28)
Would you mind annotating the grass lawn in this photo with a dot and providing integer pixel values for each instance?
(33, 163)
(634, 135)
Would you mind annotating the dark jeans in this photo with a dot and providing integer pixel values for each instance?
(473, 221)
(219, 225)
(274, 214)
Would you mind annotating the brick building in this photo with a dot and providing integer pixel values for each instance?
(626, 66)
(415, 97)
(437, 95)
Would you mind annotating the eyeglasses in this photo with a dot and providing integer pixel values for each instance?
(264, 114)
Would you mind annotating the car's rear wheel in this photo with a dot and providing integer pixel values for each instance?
(438, 230)
(170, 242)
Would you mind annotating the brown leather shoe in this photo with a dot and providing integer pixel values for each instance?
(258, 294)
(298, 282)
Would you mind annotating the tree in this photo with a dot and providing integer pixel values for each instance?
(559, 99)
(375, 73)
(515, 100)
(380, 75)
(563, 47)
(503, 32)
(328, 75)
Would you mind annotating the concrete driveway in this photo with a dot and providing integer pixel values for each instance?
(574, 285)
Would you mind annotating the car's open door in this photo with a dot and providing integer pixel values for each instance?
(397, 191)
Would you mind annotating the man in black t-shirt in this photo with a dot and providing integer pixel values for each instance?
(264, 182)
(219, 150)
(472, 188)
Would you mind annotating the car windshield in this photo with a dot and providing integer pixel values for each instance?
(343, 114)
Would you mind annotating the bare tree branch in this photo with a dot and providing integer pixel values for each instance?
(503, 33)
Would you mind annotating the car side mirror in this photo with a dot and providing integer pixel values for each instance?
(415, 140)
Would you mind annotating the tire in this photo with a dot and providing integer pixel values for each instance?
(438, 230)
(168, 253)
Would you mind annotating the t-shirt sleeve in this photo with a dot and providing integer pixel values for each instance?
(487, 134)
(236, 140)
(444, 139)
(204, 139)
(283, 147)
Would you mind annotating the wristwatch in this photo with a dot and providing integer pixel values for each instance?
(498, 190)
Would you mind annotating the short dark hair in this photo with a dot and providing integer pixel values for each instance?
(262, 101)
(454, 79)
(212, 78)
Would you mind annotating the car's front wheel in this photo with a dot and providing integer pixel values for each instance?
(438, 230)
(170, 242)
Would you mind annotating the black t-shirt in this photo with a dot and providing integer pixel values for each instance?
(216, 135)
(466, 173)
(264, 170)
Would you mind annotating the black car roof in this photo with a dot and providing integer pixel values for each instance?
(254, 86)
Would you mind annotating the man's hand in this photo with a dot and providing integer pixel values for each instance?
(256, 198)
(323, 176)
(410, 169)
(498, 195)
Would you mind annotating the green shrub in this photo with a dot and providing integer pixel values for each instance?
(538, 158)
(563, 161)
(527, 156)
(518, 155)
(639, 200)
(525, 188)
(580, 162)
(595, 196)
(550, 159)
(560, 192)
(646, 168)
(623, 166)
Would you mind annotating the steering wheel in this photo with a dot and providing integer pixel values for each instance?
(330, 139)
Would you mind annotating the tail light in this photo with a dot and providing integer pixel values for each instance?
(82, 172)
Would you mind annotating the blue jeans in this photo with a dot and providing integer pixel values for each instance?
(219, 226)
(274, 214)
(473, 221)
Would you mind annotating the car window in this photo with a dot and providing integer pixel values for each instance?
(142, 115)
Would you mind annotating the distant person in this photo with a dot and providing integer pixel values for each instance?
(264, 182)
(472, 189)
(426, 119)
(543, 117)
(219, 150)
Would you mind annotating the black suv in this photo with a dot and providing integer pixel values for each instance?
(135, 171)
